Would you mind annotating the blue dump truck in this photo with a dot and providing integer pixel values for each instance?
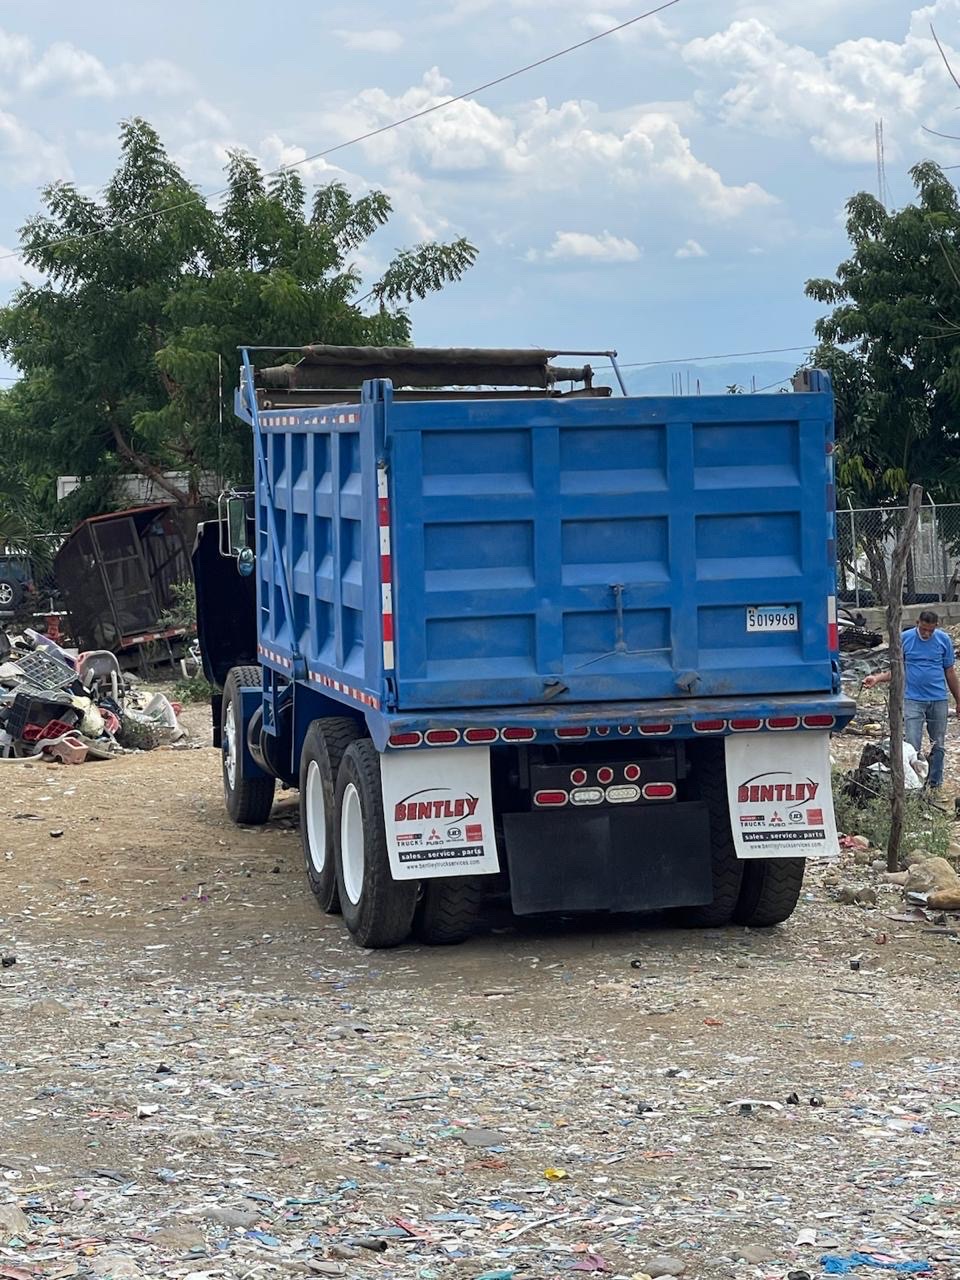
(513, 636)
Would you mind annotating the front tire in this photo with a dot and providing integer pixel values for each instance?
(248, 801)
(726, 869)
(770, 891)
(377, 909)
(323, 750)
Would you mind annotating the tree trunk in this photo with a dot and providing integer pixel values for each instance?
(147, 468)
(898, 568)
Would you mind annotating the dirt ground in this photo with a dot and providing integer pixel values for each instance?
(201, 1075)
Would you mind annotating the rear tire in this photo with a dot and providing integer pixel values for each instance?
(248, 801)
(448, 910)
(770, 891)
(323, 749)
(710, 781)
(377, 909)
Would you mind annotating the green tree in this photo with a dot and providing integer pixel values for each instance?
(892, 346)
(896, 304)
(148, 290)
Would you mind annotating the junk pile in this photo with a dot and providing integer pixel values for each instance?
(75, 708)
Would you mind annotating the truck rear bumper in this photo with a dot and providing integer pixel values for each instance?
(641, 859)
(686, 718)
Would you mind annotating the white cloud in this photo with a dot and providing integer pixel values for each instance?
(544, 148)
(377, 40)
(691, 249)
(62, 67)
(764, 84)
(26, 156)
(572, 246)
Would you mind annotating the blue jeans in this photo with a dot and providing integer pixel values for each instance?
(934, 714)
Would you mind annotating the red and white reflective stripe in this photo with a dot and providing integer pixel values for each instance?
(386, 567)
(273, 420)
(348, 691)
(833, 638)
(272, 656)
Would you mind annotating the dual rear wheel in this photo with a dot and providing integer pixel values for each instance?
(345, 848)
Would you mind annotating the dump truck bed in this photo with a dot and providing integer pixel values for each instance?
(508, 553)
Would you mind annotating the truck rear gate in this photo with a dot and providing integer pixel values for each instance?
(544, 617)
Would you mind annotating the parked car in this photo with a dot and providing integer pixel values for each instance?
(16, 581)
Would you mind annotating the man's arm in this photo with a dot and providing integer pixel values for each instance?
(883, 677)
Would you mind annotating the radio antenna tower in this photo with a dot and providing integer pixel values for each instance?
(881, 165)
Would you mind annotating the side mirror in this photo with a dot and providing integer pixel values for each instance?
(245, 561)
(232, 508)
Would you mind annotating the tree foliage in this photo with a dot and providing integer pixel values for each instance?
(147, 290)
(896, 305)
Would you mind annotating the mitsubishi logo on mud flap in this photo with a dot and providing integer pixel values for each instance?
(436, 804)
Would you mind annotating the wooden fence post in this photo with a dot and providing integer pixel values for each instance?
(898, 567)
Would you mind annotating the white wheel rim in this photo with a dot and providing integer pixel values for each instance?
(316, 811)
(351, 843)
(6, 593)
(230, 746)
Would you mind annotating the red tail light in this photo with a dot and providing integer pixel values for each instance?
(783, 722)
(442, 737)
(742, 726)
(578, 777)
(550, 799)
(573, 732)
(406, 739)
(659, 791)
(652, 729)
(819, 722)
(480, 735)
(709, 726)
(518, 735)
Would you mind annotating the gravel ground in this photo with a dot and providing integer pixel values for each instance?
(200, 1075)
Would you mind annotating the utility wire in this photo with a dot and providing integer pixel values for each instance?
(363, 137)
(722, 355)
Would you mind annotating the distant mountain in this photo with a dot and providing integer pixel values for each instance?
(705, 379)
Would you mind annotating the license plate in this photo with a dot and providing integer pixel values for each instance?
(773, 617)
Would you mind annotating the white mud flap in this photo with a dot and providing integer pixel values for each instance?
(438, 812)
(779, 793)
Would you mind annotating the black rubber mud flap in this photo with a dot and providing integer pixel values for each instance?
(588, 860)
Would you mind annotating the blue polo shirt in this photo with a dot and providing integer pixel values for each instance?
(924, 662)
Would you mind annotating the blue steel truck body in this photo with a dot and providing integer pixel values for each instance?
(576, 649)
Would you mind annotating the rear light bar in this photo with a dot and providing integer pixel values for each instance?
(522, 733)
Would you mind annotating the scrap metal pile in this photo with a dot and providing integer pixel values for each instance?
(74, 708)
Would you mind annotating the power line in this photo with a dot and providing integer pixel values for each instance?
(723, 355)
(363, 137)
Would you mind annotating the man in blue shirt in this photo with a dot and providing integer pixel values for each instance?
(928, 668)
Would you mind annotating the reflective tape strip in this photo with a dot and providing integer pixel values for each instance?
(348, 691)
(386, 569)
(833, 636)
(272, 656)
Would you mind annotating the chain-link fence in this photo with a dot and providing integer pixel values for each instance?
(866, 537)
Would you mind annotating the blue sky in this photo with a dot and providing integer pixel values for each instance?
(665, 191)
